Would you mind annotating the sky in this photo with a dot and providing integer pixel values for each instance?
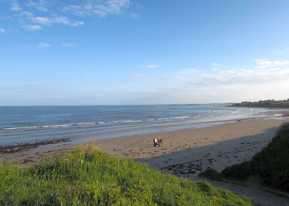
(96, 52)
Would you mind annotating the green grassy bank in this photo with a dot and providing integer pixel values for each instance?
(89, 177)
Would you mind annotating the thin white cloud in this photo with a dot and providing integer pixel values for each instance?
(35, 23)
(268, 78)
(63, 44)
(43, 45)
(40, 5)
(265, 71)
(51, 20)
(152, 66)
(268, 63)
(68, 44)
(15, 6)
(41, 20)
(98, 8)
(33, 27)
(34, 15)
(2, 30)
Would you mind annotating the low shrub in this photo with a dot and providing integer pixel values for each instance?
(239, 171)
(271, 164)
(211, 174)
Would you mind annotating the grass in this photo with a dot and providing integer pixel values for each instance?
(271, 165)
(89, 177)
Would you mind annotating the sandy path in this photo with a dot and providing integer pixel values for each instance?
(258, 195)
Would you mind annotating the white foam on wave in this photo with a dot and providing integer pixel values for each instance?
(218, 115)
(16, 128)
(126, 121)
(53, 126)
(173, 118)
(86, 124)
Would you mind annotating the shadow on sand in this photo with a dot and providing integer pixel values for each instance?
(216, 155)
(189, 163)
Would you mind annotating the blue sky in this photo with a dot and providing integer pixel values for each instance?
(142, 51)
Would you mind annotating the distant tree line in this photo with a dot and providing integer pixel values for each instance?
(264, 103)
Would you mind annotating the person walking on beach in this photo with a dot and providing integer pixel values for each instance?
(156, 142)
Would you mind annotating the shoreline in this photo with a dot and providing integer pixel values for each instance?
(80, 131)
(180, 146)
(8, 149)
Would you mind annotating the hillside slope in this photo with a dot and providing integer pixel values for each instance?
(89, 177)
(271, 165)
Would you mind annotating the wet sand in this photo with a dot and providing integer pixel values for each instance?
(193, 150)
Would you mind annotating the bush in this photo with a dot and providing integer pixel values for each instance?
(271, 164)
(238, 171)
(88, 177)
(211, 174)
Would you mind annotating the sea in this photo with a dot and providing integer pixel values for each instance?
(27, 124)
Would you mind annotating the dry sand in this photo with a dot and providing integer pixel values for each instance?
(195, 150)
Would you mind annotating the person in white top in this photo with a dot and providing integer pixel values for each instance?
(156, 142)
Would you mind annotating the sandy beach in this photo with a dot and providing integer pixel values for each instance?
(216, 147)
(193, 150)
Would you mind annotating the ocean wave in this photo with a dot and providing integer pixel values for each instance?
(177, 119)
(53, 126)
(173, 118)
(278, 115)
(181, 117)
(15, 128)
(85, 124)
(72, 125)
(95, 124)
(126, 121)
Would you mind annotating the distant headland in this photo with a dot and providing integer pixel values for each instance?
(264, 103)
